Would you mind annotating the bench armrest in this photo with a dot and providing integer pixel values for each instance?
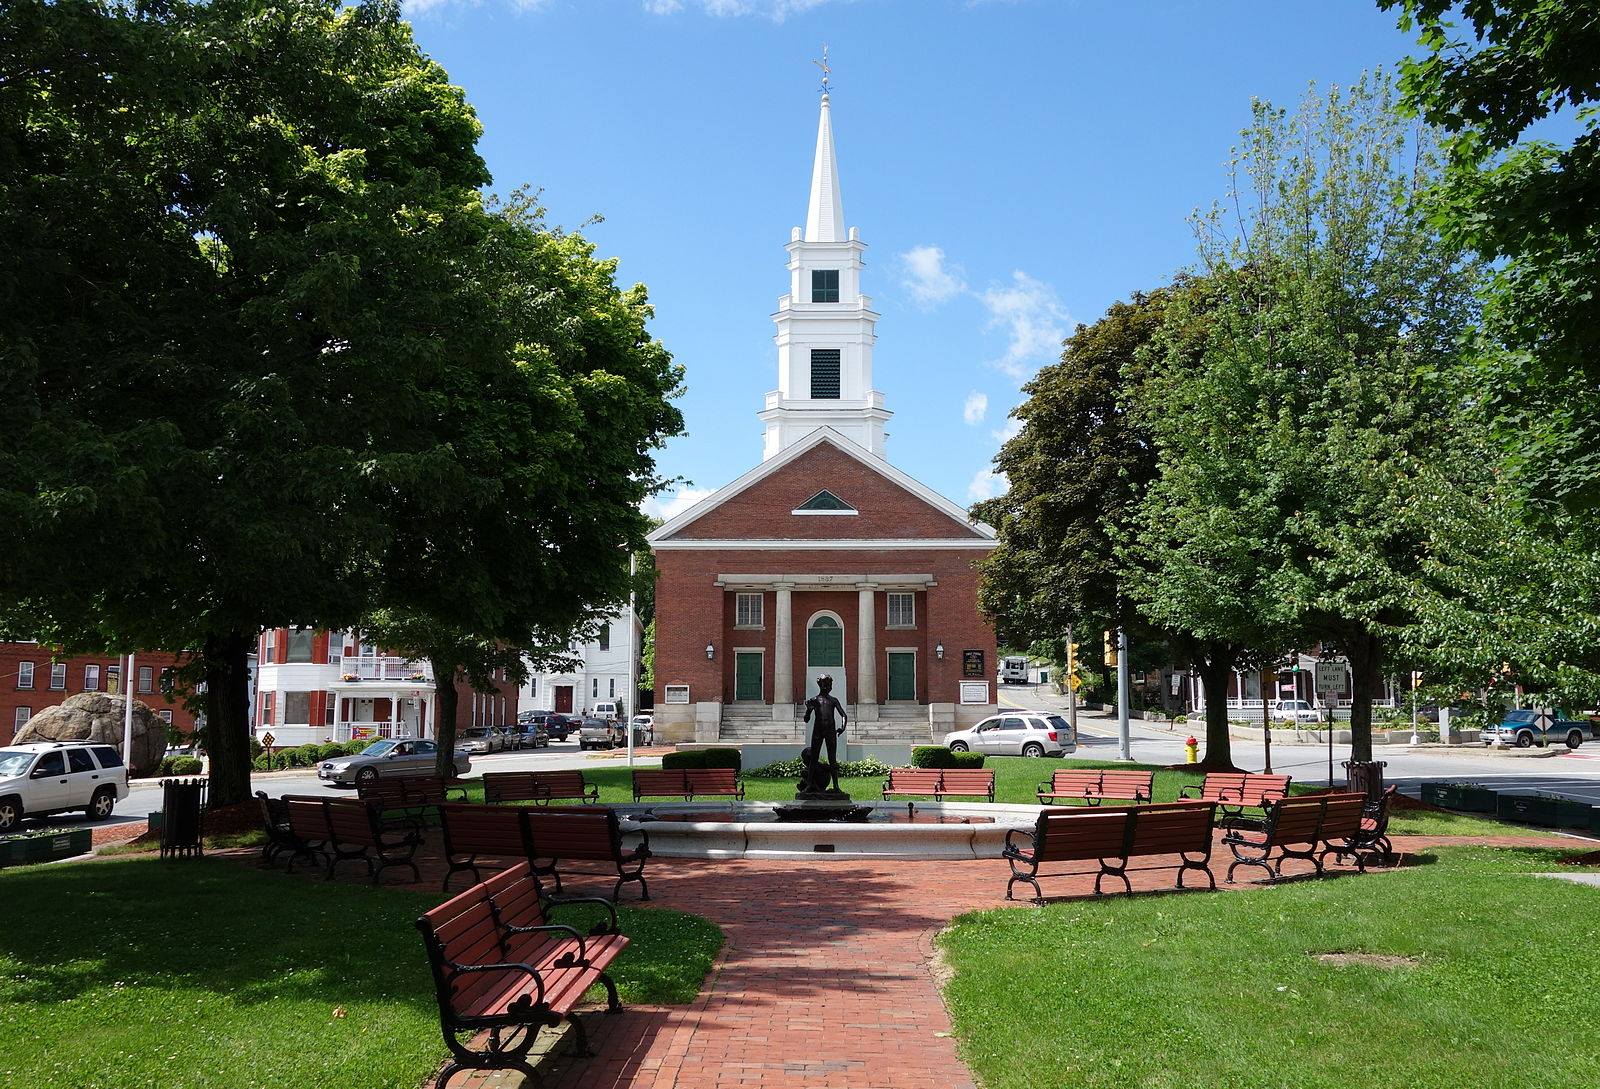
(1010, 846)
(551, 928)
(1183, 792)
(600, 928)
(503, 966)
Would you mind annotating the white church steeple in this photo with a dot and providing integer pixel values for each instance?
(825, 325)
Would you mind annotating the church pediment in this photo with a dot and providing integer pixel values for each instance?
(790, 497)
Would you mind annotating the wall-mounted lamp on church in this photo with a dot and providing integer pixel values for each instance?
(711, 652)
(938, 651)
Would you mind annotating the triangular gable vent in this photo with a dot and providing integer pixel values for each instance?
(824, 502)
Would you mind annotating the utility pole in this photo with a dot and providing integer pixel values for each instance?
(127, 714)
(1269, 675)
(633, 655)
(1124, 749)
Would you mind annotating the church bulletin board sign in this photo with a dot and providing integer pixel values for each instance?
(974, 691)
(972, 664)
(677, 693)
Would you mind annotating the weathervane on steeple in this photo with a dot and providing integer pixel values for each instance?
(826, 71)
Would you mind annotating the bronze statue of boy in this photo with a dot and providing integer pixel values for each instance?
(825, 706)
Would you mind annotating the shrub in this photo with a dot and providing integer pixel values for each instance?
(181, 765)
(702, 758)
(937, 756)
(792, 769)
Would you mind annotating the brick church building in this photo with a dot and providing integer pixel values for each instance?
(824, 558)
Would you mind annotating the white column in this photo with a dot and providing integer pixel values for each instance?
(394, 713)
(783, 653)
(866, 650)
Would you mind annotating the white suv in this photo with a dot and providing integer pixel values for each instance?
(55, 776)
(1017, 733)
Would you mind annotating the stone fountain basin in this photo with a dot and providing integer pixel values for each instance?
(922, 830)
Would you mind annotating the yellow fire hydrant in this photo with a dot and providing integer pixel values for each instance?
(1191, 748)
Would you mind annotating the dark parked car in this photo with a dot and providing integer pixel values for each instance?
(528, 735)
(558, 726)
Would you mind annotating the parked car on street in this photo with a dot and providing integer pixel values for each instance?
(1016, 733)
(1526, 727)
(644, 729)
(559, 726)
(533, 718)
(606, 709)
(528, 735)
(597, 733)
(482, 740)
(389, 759)
(56, 776)
(1295, 711)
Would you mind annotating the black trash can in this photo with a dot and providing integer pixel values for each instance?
(183, 804)
(1366, 776)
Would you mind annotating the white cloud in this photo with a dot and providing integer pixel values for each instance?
(925, 275)
(986, 484)
(668, 507)
(1010, 430)
(1033, 318)
(663, 7)
(975, 408)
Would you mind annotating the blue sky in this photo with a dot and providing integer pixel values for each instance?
(1015, 166)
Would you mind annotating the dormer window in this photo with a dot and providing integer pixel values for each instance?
(824, 285)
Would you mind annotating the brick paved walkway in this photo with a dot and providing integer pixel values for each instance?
(826, 980)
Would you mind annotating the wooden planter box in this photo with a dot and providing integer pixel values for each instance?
(22, 850)
(1545, 812)
(1465, 799)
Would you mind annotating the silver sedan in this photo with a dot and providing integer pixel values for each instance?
(388, 759)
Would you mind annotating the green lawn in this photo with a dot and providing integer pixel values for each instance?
(111, 978)
(1203, 990)
(1017, 777)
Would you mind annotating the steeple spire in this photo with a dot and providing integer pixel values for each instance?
(825, 213)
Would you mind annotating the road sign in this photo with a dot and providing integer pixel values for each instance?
(1330, 675)
(266, 740)
(1330, 700)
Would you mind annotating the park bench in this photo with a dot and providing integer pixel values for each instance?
(686, 783)
(356, 833)
(280, 837)
(537, 786)
(939, 783)
(1111, 837)
(1236, 791)
(471, 832)
(308, 824)
(1095, 785)
(502, 970)
(1308, 827)
(1373, 838)
(558, 836)
(407, 799)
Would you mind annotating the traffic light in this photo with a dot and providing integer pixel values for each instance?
(1111, 649)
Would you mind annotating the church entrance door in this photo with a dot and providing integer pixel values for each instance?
(825, 654)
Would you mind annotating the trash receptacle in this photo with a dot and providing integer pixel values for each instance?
(183, 804)
(1366, 776)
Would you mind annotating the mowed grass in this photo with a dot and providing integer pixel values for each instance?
(1494, 989)
(1018, 777)
(207, 974)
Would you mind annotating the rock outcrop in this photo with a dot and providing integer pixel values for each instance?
(97, 717)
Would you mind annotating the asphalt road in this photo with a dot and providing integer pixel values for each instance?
(1570, 774)
(1573, 775)
(144, 797)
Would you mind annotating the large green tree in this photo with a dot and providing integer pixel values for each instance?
(1333, 302)
(1492, 71)
(520, 509)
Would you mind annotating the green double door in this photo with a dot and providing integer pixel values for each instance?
(902, 675)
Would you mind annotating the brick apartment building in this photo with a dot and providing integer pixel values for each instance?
(33, 677)
(315, 685)
(824, 558)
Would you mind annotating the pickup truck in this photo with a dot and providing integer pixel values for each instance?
(1525, 728)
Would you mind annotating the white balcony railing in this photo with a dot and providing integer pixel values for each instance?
(383, 668)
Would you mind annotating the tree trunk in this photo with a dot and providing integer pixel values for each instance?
(1365, 656)
(444, 697)
(227, 703)
(1216, 670)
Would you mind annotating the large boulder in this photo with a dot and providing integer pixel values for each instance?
(97, 717)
